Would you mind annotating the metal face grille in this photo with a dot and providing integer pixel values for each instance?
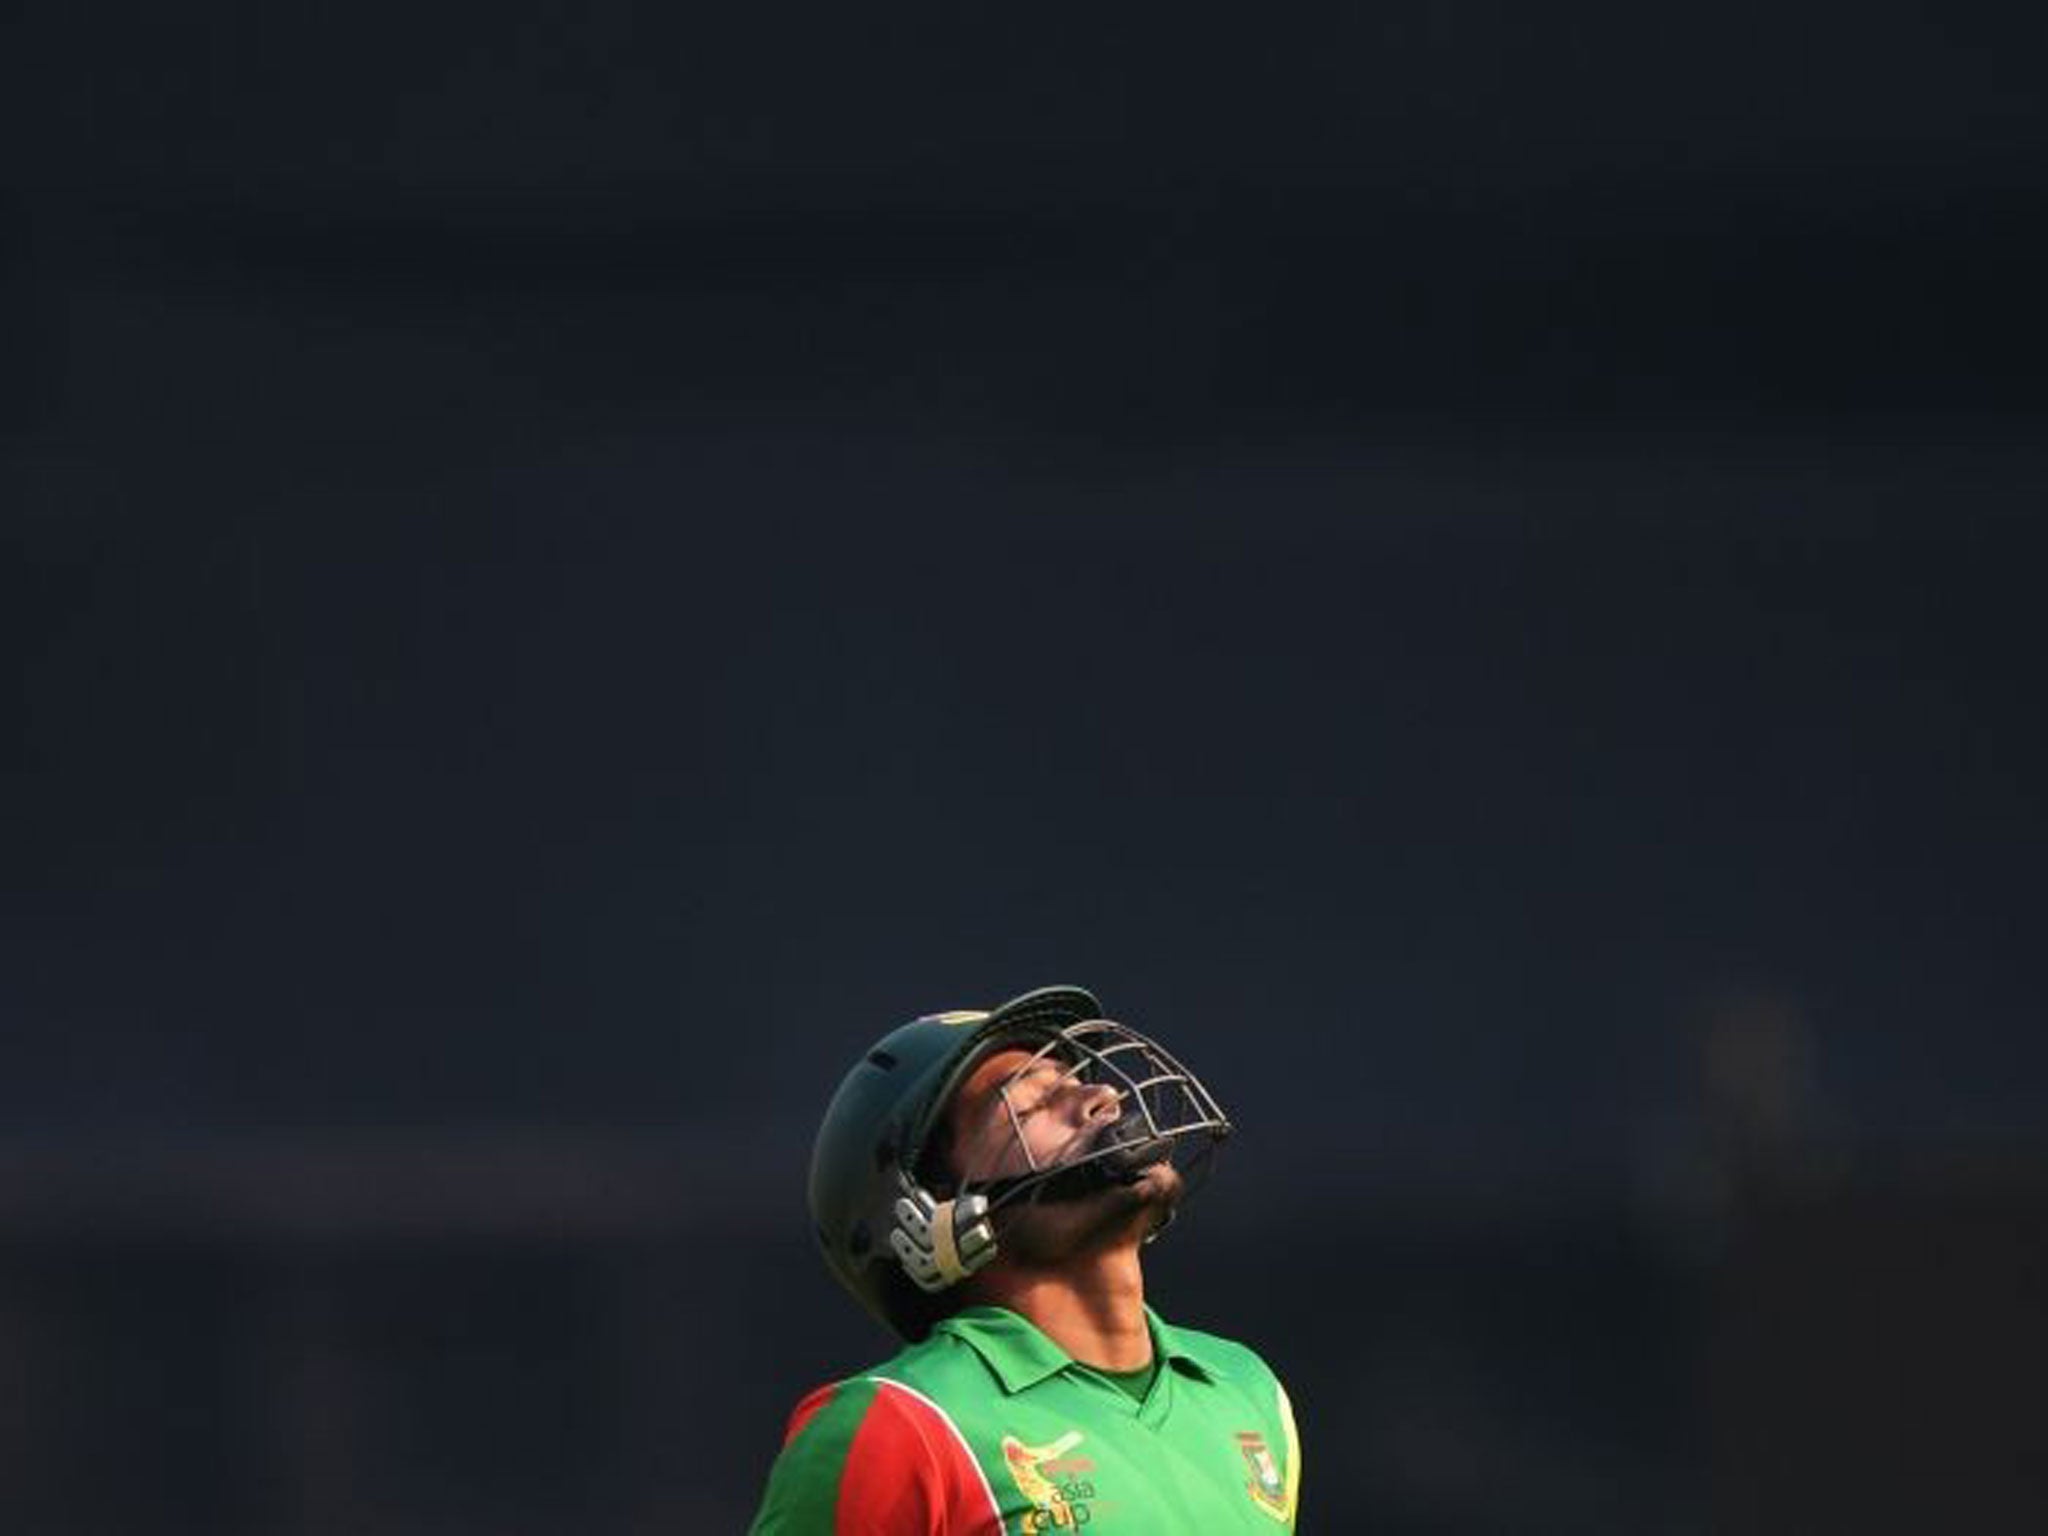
(1163, 1110)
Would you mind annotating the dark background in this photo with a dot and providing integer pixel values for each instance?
(1471, 567)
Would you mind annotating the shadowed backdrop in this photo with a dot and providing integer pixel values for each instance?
(1474, 573)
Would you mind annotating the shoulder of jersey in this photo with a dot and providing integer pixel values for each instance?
(928, 1368)
(936, 1366)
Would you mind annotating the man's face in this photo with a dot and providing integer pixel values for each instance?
(1017, 1113)
(1015, 1100)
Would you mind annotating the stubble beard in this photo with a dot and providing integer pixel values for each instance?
(1050, 1234)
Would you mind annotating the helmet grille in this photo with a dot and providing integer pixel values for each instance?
(1165, 1112)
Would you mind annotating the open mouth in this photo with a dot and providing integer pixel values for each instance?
(1126, 1147)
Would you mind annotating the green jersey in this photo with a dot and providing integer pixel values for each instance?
(988, 1428)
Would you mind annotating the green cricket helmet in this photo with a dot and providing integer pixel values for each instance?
(897, 1227)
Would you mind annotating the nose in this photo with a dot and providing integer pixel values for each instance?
(1100, 1102)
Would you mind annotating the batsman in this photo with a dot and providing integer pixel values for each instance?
(985, 1183)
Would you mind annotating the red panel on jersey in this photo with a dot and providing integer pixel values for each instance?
(907, 1474)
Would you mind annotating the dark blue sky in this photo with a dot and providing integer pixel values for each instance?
(624, 778)
(527, 576)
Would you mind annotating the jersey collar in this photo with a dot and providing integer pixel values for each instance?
(1021, 1357)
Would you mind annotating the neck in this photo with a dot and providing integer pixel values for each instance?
(1093, 1309)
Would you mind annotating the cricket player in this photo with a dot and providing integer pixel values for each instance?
(984, 1183)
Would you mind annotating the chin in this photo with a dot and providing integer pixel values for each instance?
(1155, 1192)
(1161, 1181)
(1052, 1235)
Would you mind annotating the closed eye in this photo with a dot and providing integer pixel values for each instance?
(1032, 1088)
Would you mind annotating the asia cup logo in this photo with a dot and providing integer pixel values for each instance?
(1050, 1480)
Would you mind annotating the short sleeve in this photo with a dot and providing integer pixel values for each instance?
(1290, 1438)
(868, 1457)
